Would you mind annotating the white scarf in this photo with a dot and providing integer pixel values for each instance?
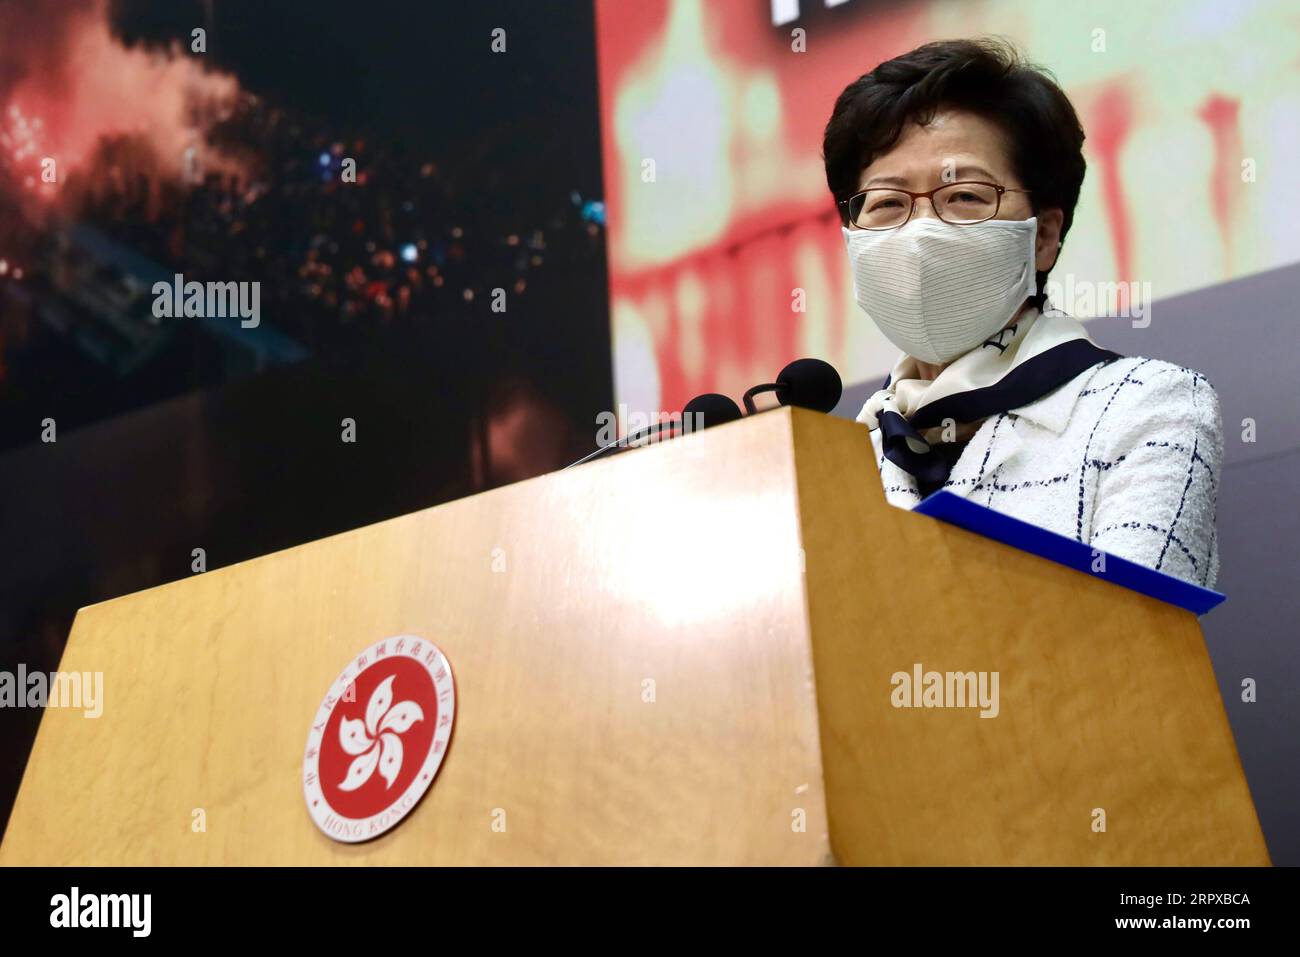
(997, 376)
(1030, 335)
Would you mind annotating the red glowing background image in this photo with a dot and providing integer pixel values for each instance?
(725, 254)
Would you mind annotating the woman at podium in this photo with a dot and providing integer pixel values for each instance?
(956, 169)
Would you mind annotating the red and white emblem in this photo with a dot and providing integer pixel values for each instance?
(378, 738)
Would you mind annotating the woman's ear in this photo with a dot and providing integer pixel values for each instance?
(1048, 245)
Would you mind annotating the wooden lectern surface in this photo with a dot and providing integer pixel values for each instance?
(1110, 745)
(632, 665)
(645, 675)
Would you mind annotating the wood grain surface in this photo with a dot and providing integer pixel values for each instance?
(556, 600)
(643, 678)
(1108, 703)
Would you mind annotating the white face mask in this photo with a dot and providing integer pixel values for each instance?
(937, 291)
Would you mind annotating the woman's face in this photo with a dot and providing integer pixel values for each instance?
(957, 145)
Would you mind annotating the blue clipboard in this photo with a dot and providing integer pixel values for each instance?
(966, 514)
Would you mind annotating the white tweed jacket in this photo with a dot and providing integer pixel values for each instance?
(1124, 457)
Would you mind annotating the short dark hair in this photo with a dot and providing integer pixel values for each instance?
(986, 77)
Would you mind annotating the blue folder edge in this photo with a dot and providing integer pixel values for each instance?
(966, 514)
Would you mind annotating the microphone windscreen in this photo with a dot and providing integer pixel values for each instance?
(709, 409)
(809, 384)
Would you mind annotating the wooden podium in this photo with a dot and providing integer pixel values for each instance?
(678, 655)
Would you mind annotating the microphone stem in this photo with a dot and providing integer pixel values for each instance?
(749, 396)
(624, 442)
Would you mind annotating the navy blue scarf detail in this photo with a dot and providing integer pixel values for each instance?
(1029, 381)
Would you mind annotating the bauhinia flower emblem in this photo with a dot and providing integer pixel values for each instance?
(375, 742)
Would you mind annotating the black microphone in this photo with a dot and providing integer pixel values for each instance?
(807, 383)
(707, 410)
(702, 412)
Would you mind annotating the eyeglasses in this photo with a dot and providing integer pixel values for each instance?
(958, 204)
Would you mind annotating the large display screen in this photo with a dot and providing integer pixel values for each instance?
(725, 253)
